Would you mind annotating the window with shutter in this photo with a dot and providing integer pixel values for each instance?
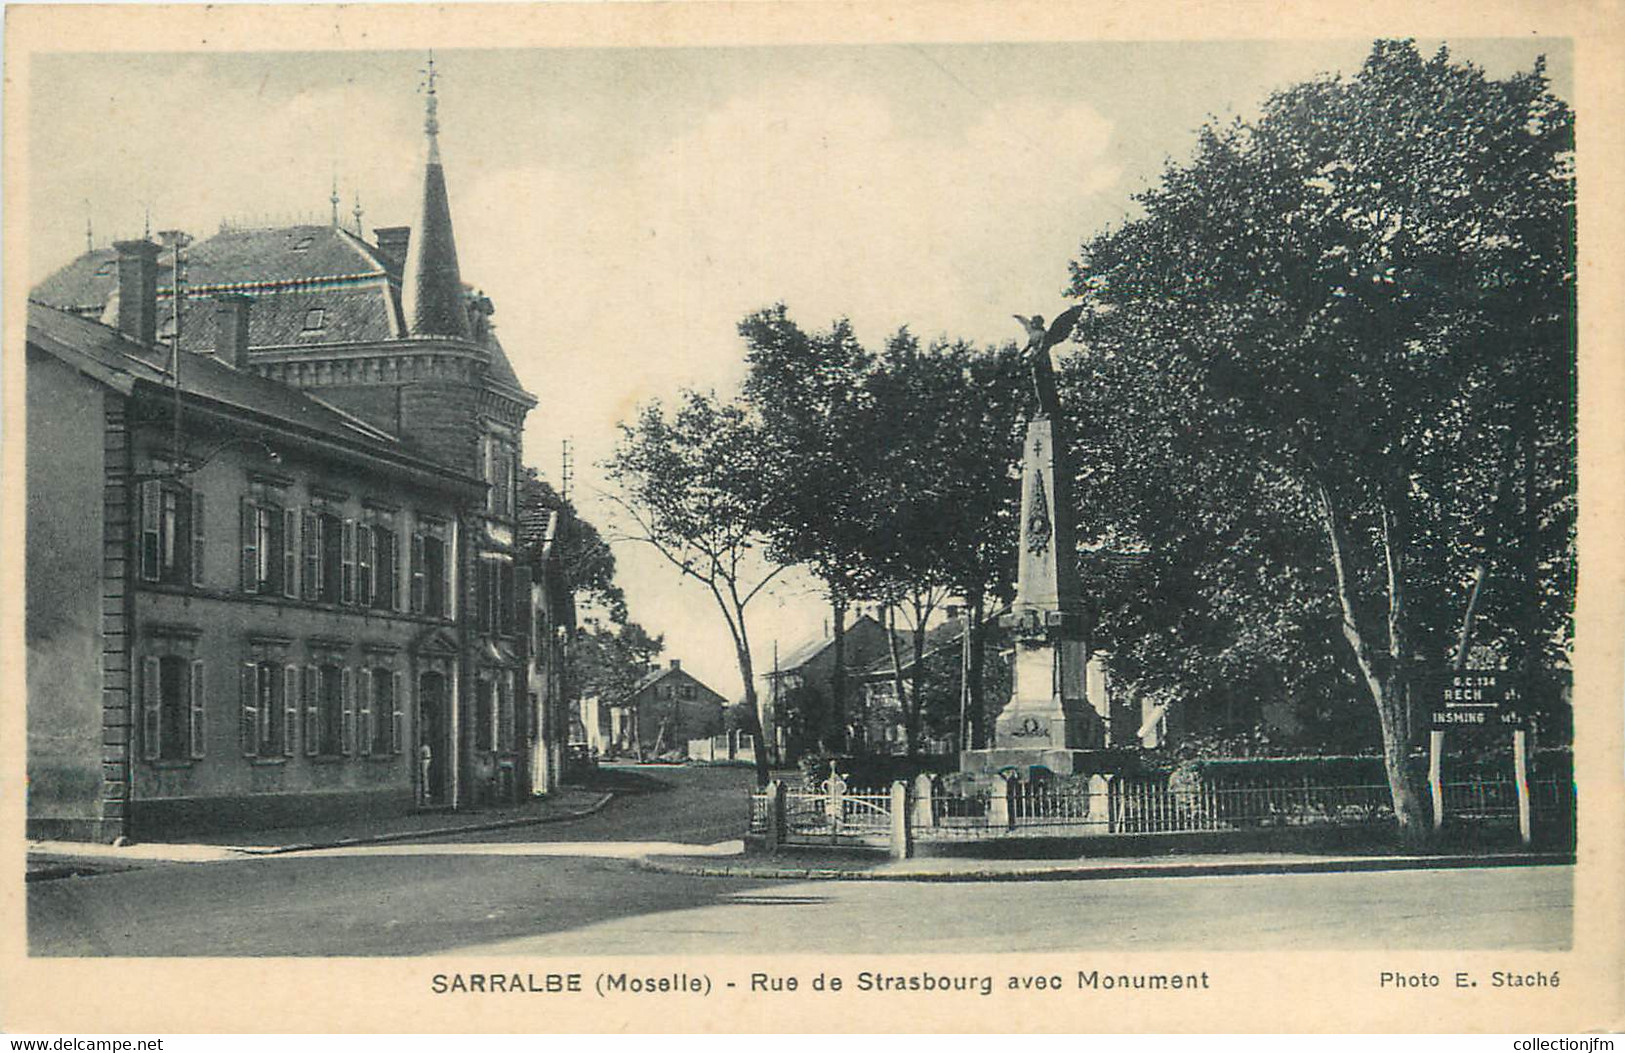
(151, 709)
(331, 528)
(250, 546)
(290, 553)
(266, 709)
(311, 694)
(347, 732)
(349, 561)
(150, 495)
(248, 733)
(197, 509)
(290, 708)
(396, 731)
(448, 598)
(199, 699)
(419, 596)
(313, 556)
(363, 550)
(384, 569)
(364, 729)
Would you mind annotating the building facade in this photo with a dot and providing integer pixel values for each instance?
(274, 570)
(664, 711)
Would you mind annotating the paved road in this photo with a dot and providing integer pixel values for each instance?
(515, 896)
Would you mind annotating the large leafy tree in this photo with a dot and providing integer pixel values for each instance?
(806, 389)
(691, 482)
(612, 658)
(584, 555)
(890, 471)
(1346, 326)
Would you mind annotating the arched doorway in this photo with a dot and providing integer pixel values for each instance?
(434, 740)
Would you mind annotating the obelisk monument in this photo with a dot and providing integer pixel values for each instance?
(1049, 717)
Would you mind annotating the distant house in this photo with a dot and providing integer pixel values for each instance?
(797, 692)
(665, 709)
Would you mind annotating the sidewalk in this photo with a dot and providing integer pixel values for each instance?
(68, 858)
(799, 866)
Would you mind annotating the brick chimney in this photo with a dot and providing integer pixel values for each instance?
(231, 329)
(393, 243)
(138, 290)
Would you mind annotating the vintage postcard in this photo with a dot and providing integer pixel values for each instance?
(812, 517)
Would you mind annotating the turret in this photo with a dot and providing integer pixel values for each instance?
(432, 287)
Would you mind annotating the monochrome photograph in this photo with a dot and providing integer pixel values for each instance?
(650, 514)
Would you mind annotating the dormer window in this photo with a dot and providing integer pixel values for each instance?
(304, 243)
(106, 268)
(315, 320)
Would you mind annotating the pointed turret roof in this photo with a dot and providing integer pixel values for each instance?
(432, 287)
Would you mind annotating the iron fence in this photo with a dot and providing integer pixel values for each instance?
(1141, 805)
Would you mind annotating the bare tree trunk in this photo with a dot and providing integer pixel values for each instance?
(978, 703)
(916, 730)
(836, 739)
(890, 627)
(1384, 675)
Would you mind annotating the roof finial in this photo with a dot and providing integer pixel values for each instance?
(357, 213)
(335, 198)
(146, 221)
(90, 235)
(431, 122)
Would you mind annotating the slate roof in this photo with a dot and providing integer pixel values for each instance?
(810, 650)
(87, 343)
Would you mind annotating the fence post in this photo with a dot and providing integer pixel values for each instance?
(1099, 800)
(998, 804)
(1520, 776)
(924, 805)
(775, 816)
(902, 841)
(1436, 775)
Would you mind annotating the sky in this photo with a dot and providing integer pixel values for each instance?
(625, 208)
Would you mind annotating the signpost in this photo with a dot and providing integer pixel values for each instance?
(1477, 698)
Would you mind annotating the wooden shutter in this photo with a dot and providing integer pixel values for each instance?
(199, 700)
(347, 734)
(313, 555)
(151, 496)
(447, 607)
(396, 731)
(249, 728)
(364, 731)
(196, 512)
(418, 550)
(290, 708)
(290, 552)
(313, 713)
(250, 569)
(348, 558)
(151, 709)
(364, 564)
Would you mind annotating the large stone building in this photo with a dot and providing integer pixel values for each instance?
(274, 571)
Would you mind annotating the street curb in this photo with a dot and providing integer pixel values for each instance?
(667, 865)
(412, 835)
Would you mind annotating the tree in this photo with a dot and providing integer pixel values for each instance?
(587, 562)
(891, 473)
(1362, 305)
(692, 485)
(611, 659)
(807, 391)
